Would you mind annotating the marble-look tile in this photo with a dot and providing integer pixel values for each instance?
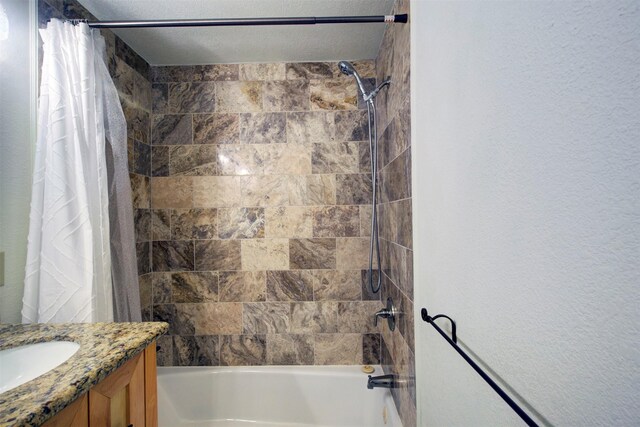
(142, 91)
(194, 287)
(139, 191)
(243, 350)
(289, 349)
(164, 350)
(172, 255)
(161, 292)
(311, 70)
(289, 286)
(286, 95)
(336, 221)
(369, 280)
(265, 254)
(171, 129)
(242, 286)
(142, 224)
(196, 350)
(215, 72)
(314, 317)
(238, 97)
(213, 318)
(333, 94)
(193, 160)
(338, 349)
(217, 191)
(192, 97)
(180, 73)
(216, 128)
(332, 285)
(263, 128)
(160, 224)
(364, 157)
(291, 221)
(286, 159)
(160, 98)
(143, 253)
(357, 316)
(145, 289)
(214, 255)
(305, 127)
(123, 80)
(353, 189)
(179, 323)
(171, 192)
(141, 158)
(395, 179)
(312, 190)
(335, 157)
(351, 125)
(365, 220)
(312, 254)
(241, 223)
(130, 154)
(371, 349)
(353, 253)
(272, 71)
(268, 190)
(265, 317)
(365, 67)
(160, 160)
(239, 160)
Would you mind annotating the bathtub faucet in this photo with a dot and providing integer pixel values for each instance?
(384, 381)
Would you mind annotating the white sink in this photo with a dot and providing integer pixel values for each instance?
(21, 364)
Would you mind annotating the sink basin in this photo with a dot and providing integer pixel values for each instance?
(21, 364)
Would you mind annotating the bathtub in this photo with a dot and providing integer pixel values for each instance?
(300, 396)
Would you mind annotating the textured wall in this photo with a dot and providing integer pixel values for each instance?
(395, 214)
(527, 188)
(130, 74)
(260, 219)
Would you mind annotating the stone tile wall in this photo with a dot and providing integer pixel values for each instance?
(130, 73)
(260, 216)
(394, 159)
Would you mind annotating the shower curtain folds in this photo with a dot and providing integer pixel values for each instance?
(81, 132)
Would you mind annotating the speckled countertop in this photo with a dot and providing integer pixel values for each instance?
(103, 348)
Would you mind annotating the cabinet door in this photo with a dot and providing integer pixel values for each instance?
(74, 415)
(119, 400)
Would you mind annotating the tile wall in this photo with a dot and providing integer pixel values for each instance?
(394, 159)
(261, 216)
(130, 73)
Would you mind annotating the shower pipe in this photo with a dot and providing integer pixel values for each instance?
(453, 341)
(241, 22)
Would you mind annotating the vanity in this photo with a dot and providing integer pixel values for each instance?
(109, 378)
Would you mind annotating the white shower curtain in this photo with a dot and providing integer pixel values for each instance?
(68, 270)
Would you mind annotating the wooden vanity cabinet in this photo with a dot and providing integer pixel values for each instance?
(127, 397)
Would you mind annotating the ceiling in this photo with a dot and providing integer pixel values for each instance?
(210, 45)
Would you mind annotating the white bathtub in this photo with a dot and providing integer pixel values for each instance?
(297, 396)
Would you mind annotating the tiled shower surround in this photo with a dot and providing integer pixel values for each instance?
(261, 215)
(394, 159)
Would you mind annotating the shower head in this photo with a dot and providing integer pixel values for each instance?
(347, 69)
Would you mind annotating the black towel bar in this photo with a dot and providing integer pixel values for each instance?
(453, 341)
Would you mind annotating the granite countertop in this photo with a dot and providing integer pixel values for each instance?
(103, 348)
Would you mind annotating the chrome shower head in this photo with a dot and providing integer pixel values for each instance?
(347, 69)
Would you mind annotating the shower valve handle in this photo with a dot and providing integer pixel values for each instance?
(388, 313)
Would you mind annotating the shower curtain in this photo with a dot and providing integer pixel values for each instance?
(81, 259)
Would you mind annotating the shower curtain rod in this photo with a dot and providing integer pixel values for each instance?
(229, 22)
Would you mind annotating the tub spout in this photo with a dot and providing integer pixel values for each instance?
(384, 381)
